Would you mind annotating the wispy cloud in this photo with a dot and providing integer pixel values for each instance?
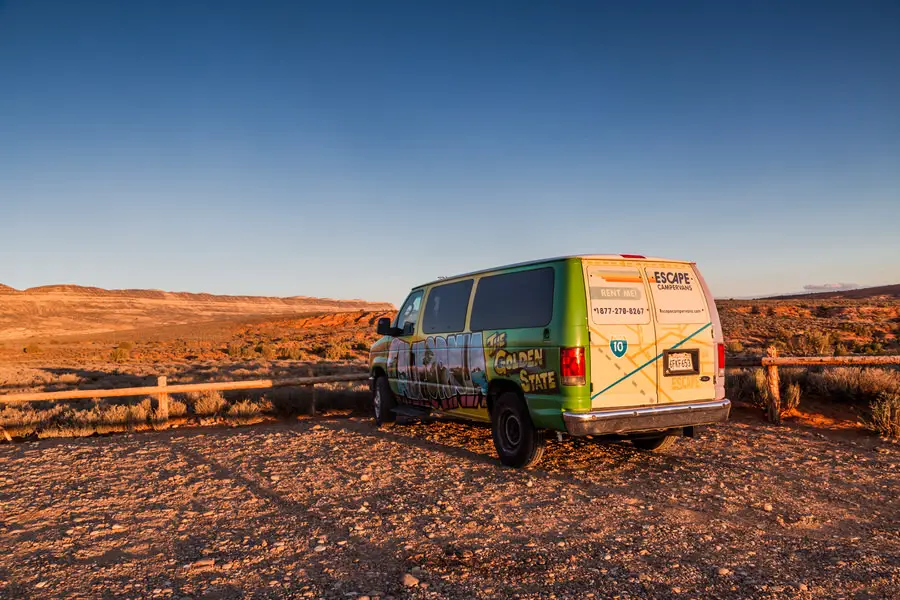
(830, 287)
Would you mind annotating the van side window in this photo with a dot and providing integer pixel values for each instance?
(445, 310)
(520, 299)
(409, 314)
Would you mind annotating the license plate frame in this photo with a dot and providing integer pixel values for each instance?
(678, 354)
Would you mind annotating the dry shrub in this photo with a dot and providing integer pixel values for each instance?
(734, 347)
(68, 378)
(177, 408)
(855, 384)
(20, 421)
(790, 399)
(267, 350)
(335, 351)
(119, 355)
(291, 353)
(234, 349)
(125, 415)
(206, 404)
(886, 414)
(247, 409)
(741, 386)
(813, 343)
(243, 409)
(99, 418)
(797, 375)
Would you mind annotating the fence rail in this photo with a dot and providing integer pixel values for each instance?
(809, 361)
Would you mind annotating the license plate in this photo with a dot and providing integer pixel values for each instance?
(680, 363)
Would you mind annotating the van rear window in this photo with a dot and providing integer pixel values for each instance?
(445, 309)
(511, 300)
(677, 295)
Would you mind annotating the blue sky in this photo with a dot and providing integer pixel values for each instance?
(354, 149)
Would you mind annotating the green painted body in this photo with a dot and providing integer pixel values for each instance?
(533, 351)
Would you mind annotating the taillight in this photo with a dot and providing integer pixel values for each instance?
(721, 362)
(571, 366)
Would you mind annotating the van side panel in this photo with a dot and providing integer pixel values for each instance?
(567, 330)
(529, 357)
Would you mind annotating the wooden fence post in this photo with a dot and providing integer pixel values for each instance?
(774, 387)
(162, 403)
(312, 395)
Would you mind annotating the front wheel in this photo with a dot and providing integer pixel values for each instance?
(383, 402)
(517, 441)
(660, 443)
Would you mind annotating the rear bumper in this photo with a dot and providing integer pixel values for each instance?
(647, 418)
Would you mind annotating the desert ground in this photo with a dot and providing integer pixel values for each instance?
(331, 507)
(246, 496)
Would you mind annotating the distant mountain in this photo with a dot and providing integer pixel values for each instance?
(884, 291)
(57, 310)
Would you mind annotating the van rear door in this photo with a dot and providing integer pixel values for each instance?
(685, 369)
(622, 334)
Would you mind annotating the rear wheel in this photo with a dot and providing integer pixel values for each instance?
(383, 402)
(660, 443)
(517, 441)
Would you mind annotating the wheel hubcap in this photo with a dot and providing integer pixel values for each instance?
(377, 402)
(511, 430)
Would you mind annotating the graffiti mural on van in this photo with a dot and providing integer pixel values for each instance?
(444, 372)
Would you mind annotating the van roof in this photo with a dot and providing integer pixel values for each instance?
(554, 259)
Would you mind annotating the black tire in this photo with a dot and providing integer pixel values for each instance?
(660, 443)
(517, 441)
(383, 401)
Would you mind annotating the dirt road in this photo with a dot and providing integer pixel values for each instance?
(334, 508)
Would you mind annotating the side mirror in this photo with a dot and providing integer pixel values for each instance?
(384, 326)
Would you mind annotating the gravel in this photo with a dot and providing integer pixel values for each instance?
(332, 507)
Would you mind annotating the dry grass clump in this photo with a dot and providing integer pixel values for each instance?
(71, 421)
(247, 410)
(886, 414)
(15, 419)
(206, 404)
(855, 384)
(120, 355)
(292, 352)
(790, 399)
(335, 351)
(734, 347)
(177, 408)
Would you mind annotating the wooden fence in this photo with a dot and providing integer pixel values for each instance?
(161, 390)
(771, 361)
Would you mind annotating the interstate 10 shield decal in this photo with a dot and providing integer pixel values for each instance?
(618, 347)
